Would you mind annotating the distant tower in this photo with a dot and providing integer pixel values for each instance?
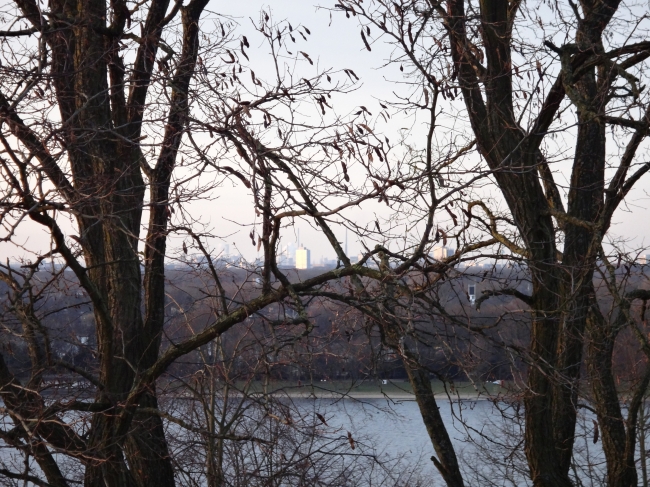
(303, 258)
(346, 242)
(441, 253)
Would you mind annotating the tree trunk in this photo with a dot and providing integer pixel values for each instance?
(621, 468)
(447, 462)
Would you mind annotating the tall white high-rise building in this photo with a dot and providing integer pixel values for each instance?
(440, 253)
(644, 259)
(303, 258)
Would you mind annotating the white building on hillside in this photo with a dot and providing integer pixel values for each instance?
(471, 293)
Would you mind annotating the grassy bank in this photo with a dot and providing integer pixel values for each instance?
(372, 389)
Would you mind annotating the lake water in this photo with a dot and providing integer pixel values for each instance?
(487, 438)
(395, 428)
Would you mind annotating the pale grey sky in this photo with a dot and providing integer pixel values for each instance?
(334, 43)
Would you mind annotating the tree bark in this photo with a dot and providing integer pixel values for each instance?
(447, 462)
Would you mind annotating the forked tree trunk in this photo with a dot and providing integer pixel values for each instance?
(102, 127)
(561, 290)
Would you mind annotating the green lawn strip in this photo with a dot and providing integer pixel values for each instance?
(372, 388)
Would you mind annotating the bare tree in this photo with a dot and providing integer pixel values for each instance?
(110, 134)
(115, 117)
(517, 86)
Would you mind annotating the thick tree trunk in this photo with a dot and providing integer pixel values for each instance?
(619, 452)
(561, 291)
(107, 467)
(541, 451)
(146, 449)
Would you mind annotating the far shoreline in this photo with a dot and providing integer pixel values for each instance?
(391, 396)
